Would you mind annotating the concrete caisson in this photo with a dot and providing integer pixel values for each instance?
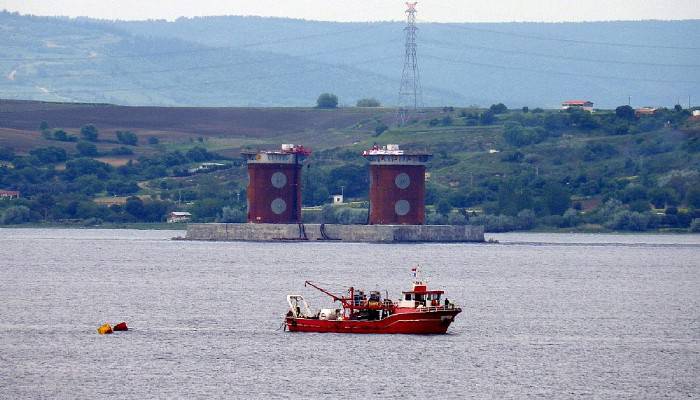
(274, 184)
(397, 186)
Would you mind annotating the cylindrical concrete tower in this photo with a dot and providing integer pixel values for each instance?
(274, 184)
(397, 186)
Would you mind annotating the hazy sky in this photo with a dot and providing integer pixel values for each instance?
(369, 10)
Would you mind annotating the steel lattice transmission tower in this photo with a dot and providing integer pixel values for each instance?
(410, 93)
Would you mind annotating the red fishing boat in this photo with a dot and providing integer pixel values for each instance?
(419, 310)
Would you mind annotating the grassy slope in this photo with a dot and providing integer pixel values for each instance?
(224, 130)
(338, 137)
(462, 153)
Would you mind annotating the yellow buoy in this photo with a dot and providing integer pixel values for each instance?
(104, 329)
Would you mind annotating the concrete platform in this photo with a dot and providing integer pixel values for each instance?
(332, 232)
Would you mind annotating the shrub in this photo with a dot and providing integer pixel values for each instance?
(49, 155)
(435, 219)
(488, 117)
(552, 220)
(598, 151)
(15, 215)
(87, 166)
(89, 132)
(495, 223)
(570, 218)
(381, 128)
(348, 216)
(634, 192)
(231, 215)
(86, 149)
(556, 121)
(693, 197)
(525, 219)
(120, 151)
(328, 214)
(443, 207)
(516, 135)
(607, 210)
(625, 112)
(513, 157)
(370, 102)
(659, 196)
(457, 219)
(153, 140)
(198, 154)
(640, 206)
(7, 153)
(127, 137)
(582, 119)
(499, 108)
(61, 136)
(121, 188)
(327, 100)
(628, 220)
(622, 129)
(556, 198)
(695, 225)
(692, 145)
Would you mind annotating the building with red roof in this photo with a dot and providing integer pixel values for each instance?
(577, 104)
(9, 194)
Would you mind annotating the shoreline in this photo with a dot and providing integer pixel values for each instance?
(183, 227)
(145, 226)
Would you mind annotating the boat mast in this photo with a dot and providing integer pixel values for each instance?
(334, 296)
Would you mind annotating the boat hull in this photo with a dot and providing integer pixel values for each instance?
(433, 322)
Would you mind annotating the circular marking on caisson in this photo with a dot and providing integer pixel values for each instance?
(402, 207)
(278, 206)
(278, 180)
(402, 180)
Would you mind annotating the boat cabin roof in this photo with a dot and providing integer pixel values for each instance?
(425, 292)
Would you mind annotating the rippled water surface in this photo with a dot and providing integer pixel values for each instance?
(545, 315)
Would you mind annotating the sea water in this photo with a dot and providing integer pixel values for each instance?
(544, 315)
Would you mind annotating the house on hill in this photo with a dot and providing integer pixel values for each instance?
(207, 167)
(9, 194)
(179, 216)
(645, 111)
(577, 104)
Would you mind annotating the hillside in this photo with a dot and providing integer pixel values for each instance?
(509, 169)
(57, 59)
(225, 129)
(251, 61)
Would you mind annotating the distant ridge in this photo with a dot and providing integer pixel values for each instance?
(256, 61)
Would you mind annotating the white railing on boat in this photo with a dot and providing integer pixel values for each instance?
(437, 308)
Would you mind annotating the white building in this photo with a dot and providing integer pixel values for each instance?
(179, 216)
(580, 104)
(337, 199)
